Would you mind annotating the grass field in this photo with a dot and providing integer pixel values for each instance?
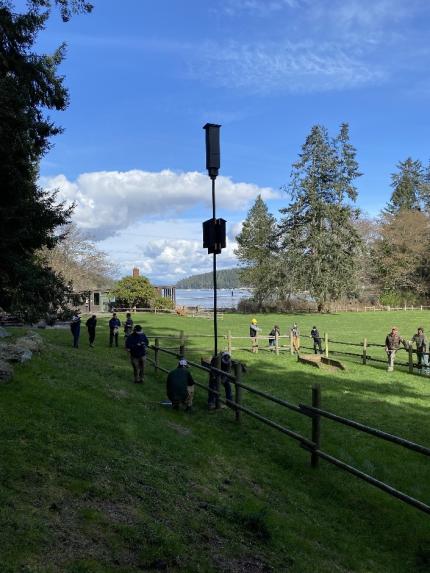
(97, 476)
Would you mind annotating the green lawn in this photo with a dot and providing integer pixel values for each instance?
(97, 476)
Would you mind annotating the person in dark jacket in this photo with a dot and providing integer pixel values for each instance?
(75, 327)
(393, 341)
(136, 345)
(226, 366)
(315, 335)
(422, 348)
(272, 336)
(180, 386)
(114, 325)
(128, 325)
(91, 326)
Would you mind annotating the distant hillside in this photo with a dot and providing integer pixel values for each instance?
(227, 278)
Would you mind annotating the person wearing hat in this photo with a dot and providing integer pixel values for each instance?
(136, 345)
(315, 335)
(180, 386)
(253, 333)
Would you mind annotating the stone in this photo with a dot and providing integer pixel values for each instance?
(41, 324)
(32, 341)
(6, 371)
(4, 333)
(15, 353)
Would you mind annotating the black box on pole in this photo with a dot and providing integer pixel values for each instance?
(213, 154)
(214, 235)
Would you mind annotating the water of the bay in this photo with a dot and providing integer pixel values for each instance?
(227, 298)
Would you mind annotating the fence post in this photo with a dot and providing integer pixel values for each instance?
(316, 424)
(291, 344)
(411, 358)
(157, 354)
(326, 344)
(365, 351)
(181, 343)
(421, 307)
(238, 389)
(276, 343)
(229, 342)
(217, 365)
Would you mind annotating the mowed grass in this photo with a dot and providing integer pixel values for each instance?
(97, 476)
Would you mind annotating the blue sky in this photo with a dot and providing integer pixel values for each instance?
(144, 77)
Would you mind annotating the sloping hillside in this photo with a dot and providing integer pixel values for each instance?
(97, 476)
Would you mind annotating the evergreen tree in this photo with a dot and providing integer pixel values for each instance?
(409, 187)
(29, 85)
(320, 242)
(256, 250)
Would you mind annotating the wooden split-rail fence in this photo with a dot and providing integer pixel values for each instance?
(313, 411)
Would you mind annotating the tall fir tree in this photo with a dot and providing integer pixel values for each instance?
(320, 242)
(256, 251)
(409, 187)
(29, 85)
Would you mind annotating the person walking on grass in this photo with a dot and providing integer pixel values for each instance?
(75, 327)
(136, 345)
(393, 341)
(315, 335)
(128, 325)
(114, 325)
(91, 326)
(295, 338)
(420, 341)
(253, 333)
(180, 386)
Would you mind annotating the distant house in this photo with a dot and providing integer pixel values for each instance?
(101, 300)
(97, 301)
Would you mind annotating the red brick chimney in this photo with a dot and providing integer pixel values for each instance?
(136, 272)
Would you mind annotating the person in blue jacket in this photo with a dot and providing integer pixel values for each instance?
(114, 325)
(75, 327)
(136, 345)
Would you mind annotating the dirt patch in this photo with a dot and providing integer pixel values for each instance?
(117, 393)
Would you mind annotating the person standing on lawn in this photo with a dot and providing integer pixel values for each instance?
(75, 327)
(421, 343)
(91, 326)
(136, 345)
(114, 325)
(272, 336)
(253, 333)
(392, 345)
(180, 386)
(128, 325)
(315, 335)
(295, 337)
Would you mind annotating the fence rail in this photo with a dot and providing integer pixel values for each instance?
(314, 412)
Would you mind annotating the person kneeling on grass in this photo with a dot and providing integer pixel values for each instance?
(136, 345)
(180, 386)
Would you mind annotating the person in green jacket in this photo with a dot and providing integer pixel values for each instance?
(180, 386)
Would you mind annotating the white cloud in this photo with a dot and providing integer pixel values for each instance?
(109, 201)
